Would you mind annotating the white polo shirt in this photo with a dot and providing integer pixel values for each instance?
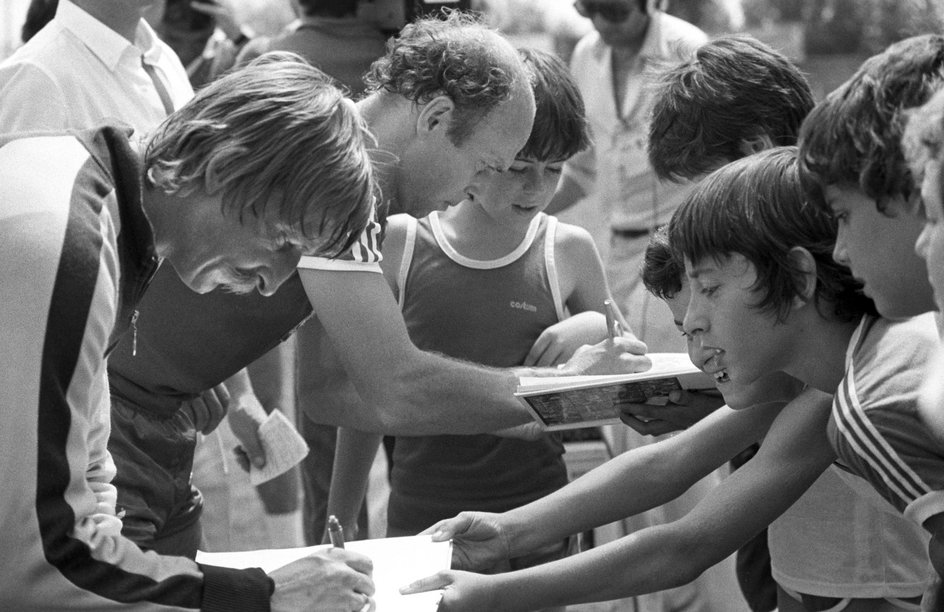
(77, 72)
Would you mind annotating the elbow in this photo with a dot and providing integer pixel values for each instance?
(687, 556)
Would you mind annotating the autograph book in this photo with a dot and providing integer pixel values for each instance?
(574, 402)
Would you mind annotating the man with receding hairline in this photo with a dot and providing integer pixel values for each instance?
(433, 133)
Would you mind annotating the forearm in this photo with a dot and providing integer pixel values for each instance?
(638, 480)
(353, 457)
(654, 559)
(268, 375)
(665, 556)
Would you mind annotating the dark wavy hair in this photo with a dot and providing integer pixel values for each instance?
(456, 55)
(853, 137)
(757, 207)
(662, 269)
(733, 89)
(560, 127)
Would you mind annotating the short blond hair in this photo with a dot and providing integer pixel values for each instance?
(273, 133)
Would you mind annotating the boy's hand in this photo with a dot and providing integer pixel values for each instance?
(558, 342)
(478, 540)
(683, 409)
(463, 591)
(623, 355)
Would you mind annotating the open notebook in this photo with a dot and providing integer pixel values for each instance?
(397, 563)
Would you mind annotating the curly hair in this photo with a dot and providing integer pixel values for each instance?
(456, 55)
(853, 137)
(734, 88)
(560, 128)
(923, 139)
(662, 270)
(756, 206)
(275, 133)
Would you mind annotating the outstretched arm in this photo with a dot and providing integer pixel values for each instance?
(794, 453)
(633, 482)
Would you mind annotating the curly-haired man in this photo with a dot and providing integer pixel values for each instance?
(188, 343)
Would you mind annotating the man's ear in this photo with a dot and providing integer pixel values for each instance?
(756, 144)
(803, 267)
(435, 115)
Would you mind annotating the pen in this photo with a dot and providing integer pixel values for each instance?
(335, 532)
(613, 326)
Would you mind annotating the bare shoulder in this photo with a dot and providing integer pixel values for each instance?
(573, 241)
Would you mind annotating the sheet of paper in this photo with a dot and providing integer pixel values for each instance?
(284, 448)
(397, 563)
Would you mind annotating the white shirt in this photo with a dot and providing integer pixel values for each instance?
(77, 72)
(617, 166)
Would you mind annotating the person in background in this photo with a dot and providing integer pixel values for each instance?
(205, 34)
(96, 59)
(611, 64)
(87, 218)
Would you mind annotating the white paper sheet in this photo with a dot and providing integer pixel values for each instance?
(397, 563)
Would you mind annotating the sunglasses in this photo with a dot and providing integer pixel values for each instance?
(614, 13)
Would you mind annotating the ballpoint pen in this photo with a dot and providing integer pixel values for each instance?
(335, 532)
(613, 326)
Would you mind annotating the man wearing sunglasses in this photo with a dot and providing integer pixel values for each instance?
(610, 64)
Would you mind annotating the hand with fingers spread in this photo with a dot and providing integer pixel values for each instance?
(478, 539)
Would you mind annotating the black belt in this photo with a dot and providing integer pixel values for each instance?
(629, 233)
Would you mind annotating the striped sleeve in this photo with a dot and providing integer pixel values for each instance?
(363, 256)
(60, 273)
(878, 434)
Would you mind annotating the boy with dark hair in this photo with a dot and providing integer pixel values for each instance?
(853, 164)
(795, 296)
(735, 97)
(872, 428)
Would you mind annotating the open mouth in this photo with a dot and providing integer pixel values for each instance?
(721, 374)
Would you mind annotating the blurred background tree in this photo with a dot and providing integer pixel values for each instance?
(849, 26)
